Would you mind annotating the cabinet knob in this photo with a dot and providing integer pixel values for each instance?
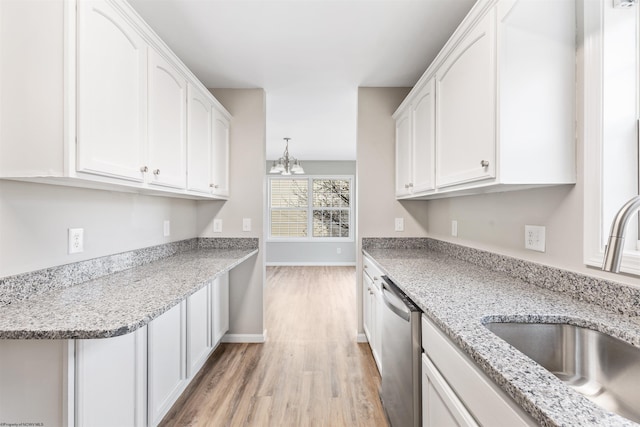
(213, 185)
(156, 171)
(144, 169)
(406, 186)
(366, 266)
(410, 184)
(375, 278)
(484, 163)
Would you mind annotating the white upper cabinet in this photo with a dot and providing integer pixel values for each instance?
(199, 141)
(167, 123)
(403, 154)
(504, 109)
(112, 99)
(220, 155)
(424, 127)
(415, 144)
(112, 103)
(466, 108)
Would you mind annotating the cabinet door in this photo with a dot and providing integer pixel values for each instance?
(198, 141)
(111, 108)
(376, 321)
(220, 155)
(403, 154)
(111, 381)
(198, 330)
(167, 160)
(466, 108)
(440, 406)
(424, 136)
(220, 307)
(366, 307)
(166, 361)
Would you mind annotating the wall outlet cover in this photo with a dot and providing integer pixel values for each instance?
(534, 237)
(166, 228)
(454, 228)
(246, 224)
(76, 240)
(217, 226)
(399, 224)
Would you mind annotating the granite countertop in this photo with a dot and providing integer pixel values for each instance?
(118, 303)
(460, 297)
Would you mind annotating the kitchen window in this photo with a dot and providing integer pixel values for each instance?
(611, 93)
(313, 208)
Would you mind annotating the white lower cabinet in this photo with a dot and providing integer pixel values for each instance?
(456, 392)
(131, 380)
(219, 307)
(371, 308)
(111, 381)
(440, 405)
(167, 355)
(199, 342)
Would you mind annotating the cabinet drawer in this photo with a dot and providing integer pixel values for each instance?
(488, 404)
(371, 270)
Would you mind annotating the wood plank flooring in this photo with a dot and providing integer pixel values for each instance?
(310, 372)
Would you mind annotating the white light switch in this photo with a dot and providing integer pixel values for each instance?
(399, 225)
(454, 228)
(246, 224)
(167, 228)
(217, 226)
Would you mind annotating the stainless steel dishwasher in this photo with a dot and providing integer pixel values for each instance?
(401, 349)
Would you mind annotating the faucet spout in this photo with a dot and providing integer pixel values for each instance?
(614, 249)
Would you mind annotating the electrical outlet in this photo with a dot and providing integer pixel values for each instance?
(76, 240)
(246, 224)
(534, 237)
(338, 251)
(454, 228)
(217, 226)
(399, 224)
(167, 228)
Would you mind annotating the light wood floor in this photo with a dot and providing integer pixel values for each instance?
(310, 372)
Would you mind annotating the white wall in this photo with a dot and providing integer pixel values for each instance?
(375, 189)
(316, 253)
(246, 178)
(34, 219)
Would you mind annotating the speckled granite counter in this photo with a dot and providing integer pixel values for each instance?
(117, 303)
(459, 297)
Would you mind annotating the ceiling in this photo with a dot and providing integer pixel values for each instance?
(310, 56)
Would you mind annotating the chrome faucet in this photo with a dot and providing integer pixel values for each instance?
(614, 249)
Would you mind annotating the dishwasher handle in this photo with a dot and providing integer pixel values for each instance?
(396, 305)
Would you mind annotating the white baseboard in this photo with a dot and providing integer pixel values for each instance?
(311, 264)
(361, 338)
(245, 338)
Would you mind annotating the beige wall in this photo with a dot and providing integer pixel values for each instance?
(34, 219)
(247, 174)
(375, 183)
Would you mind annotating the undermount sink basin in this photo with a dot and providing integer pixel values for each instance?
(604, 369)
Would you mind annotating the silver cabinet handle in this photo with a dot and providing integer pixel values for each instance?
(156, 171)
(366, 266)
(144, 169)
(375, 278)
(213, 185)
(406, 186)
(410, 184)
(484, 163)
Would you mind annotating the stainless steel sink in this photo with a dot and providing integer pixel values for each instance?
(604, 369)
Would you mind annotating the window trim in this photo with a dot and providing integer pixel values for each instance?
(310, 238)
(593, 137)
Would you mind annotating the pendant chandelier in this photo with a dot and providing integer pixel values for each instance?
(286, 165)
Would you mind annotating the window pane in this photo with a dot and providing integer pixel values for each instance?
(289, 223)
(289, 193)
(330, 193)
(330, 223)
